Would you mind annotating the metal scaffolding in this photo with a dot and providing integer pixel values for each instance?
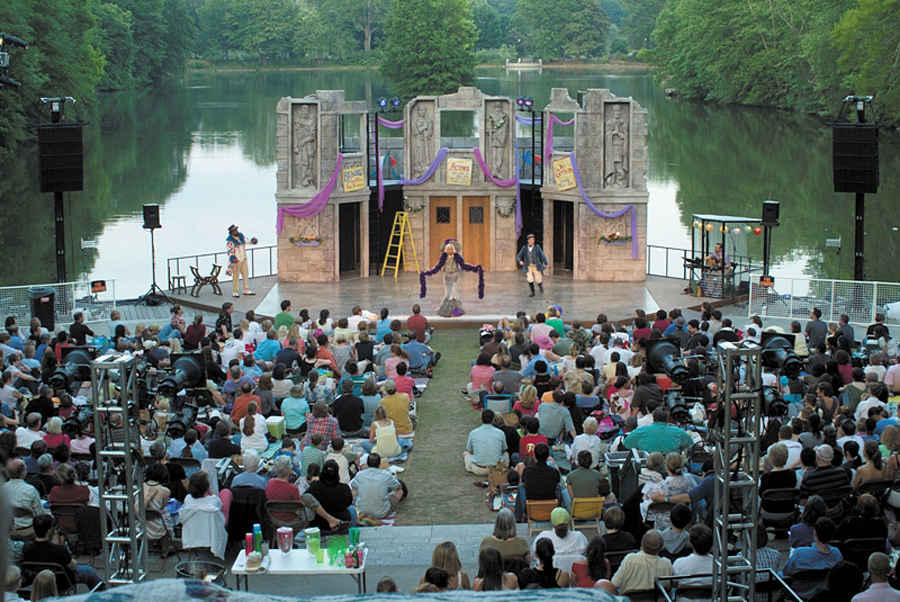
(120, 476)
(736, 508)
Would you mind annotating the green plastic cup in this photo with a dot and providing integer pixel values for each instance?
(354, 536)
(320, 555)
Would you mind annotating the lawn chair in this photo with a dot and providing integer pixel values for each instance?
(538, 511)
(858, 550)
(616, 557)
(587, 512)
(68, 519)
(64, 583)
(201, 281)
(781, 522)
(286, 506)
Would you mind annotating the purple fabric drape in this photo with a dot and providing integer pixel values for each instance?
(489, 176)
(627, 209)
(548, 143)
(394, 125)
(315, 205)
(468, 267)
(438, 159)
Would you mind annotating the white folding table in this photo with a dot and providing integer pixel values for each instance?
(296, 562)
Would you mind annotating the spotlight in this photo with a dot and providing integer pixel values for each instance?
(520, 101)
(382, 102)
(529, 102)
(395, 102)
(525, 103)
(76, 366)
(778, 352)
(189, 372)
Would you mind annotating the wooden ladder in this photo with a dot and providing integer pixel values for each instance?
(401, 233)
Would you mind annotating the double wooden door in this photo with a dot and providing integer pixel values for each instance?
(475, 228)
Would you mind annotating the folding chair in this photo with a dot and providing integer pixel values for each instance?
(64, 583)
(538, 511)
(587, 510)
(282, 507)
(68, 519)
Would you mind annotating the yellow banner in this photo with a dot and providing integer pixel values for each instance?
(564, 174)
(459, 172)
(354, 178)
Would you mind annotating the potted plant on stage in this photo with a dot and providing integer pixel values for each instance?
(305, 241)
(613, 238)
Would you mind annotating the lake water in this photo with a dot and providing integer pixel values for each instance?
(205, 151)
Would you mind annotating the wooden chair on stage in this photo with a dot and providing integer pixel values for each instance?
(201, 281)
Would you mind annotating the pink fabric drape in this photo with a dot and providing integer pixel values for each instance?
(315, 205)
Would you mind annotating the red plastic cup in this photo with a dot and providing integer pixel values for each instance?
(248, 543)
(285, 539)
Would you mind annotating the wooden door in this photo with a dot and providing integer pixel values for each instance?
(442, 225)
(476, 227)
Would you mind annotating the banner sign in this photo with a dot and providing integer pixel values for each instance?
(354, 178)
(459, 172)
(564, 174)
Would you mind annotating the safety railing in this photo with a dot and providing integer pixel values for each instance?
(675, 262)
(261, 260)
(795, 298)
(93, 298)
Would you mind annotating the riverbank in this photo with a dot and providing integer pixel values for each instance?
(611, 66)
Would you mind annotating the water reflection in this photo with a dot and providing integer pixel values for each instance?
(205, 150)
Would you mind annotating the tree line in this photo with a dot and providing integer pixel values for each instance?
(803, 55)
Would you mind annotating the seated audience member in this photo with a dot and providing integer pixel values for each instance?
(801, 534)
(403, 382)
(585, 481)
(188, 446)
(445, 558)
(874, 468)
(254, 430)
(879, 572)
(23, 497)
(676, 536)
(319, 422)
(376, 490)
(371, 400)
(504, 538)
(156, 496)
(345, 459)
(421, 356)
(588, 441)
(541, 481)
(313, 454)
(42, 549)
(250, 477)
(531, 439)
(699, 562)
(201, 517)
(528, 402)
(485, 446)
(490, 575)
(639, 570)
(331, 499)
(817, 556)
(865, 521)
(26, 435)
(829, 481)
(565, 541)
(481, 375)
(545, 575)
(280, 489)
(46, 478)
(220, 445)
(675, 483)
(239, 409)
(659, 436)
(396, 405)
(595, 570)
(555, 420)
(348, 409)
(615, 538)
(793, 448)
(55, 436)
(68, 491)
(780, 477)
(294, 408)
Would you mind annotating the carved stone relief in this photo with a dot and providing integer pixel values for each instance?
(422, 137)
(498, 128)
(303, 149)
(616, 164)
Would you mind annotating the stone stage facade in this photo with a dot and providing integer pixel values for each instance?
(459, 201)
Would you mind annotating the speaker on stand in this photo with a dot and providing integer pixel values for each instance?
(155, 295)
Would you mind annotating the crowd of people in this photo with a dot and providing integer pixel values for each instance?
(554, 398)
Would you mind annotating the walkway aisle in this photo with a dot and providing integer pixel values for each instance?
(441, 491)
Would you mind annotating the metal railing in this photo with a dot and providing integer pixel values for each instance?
(673, 262)
(262, 260)
(68, 297)
(794, 298)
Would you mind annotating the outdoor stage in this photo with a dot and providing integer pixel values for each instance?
(504, 294)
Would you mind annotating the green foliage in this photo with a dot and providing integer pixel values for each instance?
(115, 40)
(495, 56)
(561, 29)
(640, 20)
(797, 54)
(491, 26)
(430, 46)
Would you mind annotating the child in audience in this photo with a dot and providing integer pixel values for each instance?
(676, 537)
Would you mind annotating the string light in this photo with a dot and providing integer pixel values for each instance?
(709, 227)
(757, 230)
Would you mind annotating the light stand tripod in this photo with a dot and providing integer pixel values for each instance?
(155, 295)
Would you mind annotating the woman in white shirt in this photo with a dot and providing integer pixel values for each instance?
(201, 517)
(256, 332)
(588, 441)
(253, 430)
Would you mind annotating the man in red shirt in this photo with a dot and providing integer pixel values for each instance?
(403, 382)
(239, 410)
(417, 324)
(322, 353)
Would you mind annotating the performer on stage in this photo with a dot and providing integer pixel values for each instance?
(532, 259)
(236, 247)
(451, 262)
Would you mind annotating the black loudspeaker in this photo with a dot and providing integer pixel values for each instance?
(770, 213)
(855, 155)
(151, 217)
(42, 299)
(61, 151)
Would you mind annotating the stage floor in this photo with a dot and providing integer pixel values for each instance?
(505, 294)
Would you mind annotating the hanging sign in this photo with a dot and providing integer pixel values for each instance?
(564, 174)
(459, 172)
(353, 177)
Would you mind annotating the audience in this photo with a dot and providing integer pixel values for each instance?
(639, 570)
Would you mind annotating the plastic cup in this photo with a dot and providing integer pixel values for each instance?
(354, 536)
(320, 555)
(285, 539)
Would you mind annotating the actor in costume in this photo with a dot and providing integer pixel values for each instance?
(451, 262)
(532, 259)
(236, 247)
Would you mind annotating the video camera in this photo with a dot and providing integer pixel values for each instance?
(75, 367)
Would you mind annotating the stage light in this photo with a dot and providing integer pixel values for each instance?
(525, 103)
(76, 367)
(529, 102)
(778, 352)
(737, 231)
(757, 230)
(395, 102)
(382, 102)
(520, 101)
(189, 372)
(663, 356)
